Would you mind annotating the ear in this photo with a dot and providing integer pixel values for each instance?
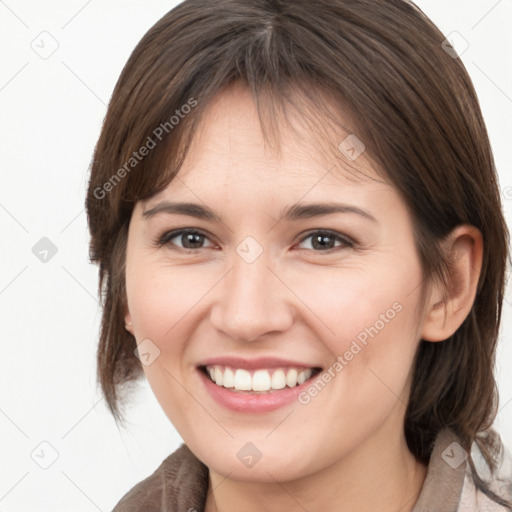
(128, 322)
(449, 306)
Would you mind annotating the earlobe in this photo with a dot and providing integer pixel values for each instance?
(449, 306)
(128, 325)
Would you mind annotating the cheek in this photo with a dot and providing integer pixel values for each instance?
(158, 304)
(160, 296)
(363, 303)
(163, 303)
(369, 326)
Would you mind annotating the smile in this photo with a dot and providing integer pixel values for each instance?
(259, 380)
(255, 390)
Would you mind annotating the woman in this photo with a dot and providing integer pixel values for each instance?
(295, 211)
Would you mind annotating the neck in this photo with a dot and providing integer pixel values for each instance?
(381, 474)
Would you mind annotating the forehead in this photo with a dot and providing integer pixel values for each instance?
(229, 151)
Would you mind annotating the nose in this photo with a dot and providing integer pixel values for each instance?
(253, 301)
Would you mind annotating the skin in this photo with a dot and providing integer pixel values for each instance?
(345, 449)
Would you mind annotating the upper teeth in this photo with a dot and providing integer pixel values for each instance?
(260, 380)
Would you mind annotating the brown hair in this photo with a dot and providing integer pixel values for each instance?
(411, 102)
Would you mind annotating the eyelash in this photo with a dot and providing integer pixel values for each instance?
(166, 238)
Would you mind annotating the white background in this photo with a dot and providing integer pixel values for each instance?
(51, 114)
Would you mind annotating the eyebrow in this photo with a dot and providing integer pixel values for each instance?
(294, 212)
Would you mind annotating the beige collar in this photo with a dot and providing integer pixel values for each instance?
(442, 489)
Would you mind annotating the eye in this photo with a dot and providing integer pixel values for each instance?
(322, 241)
(190, 238)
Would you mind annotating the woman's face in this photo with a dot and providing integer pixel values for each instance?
(259, 297)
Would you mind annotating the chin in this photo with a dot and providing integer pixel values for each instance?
(246, 462)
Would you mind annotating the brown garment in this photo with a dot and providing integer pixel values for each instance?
(180, 484)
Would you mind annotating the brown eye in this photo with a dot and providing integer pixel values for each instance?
(190, 239)
(325, 240)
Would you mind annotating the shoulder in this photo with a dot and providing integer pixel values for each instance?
(500, 484)
(450, 483)
(473, 499)
(180, 483)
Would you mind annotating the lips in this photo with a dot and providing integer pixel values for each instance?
(255, 385)
(255, 364)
